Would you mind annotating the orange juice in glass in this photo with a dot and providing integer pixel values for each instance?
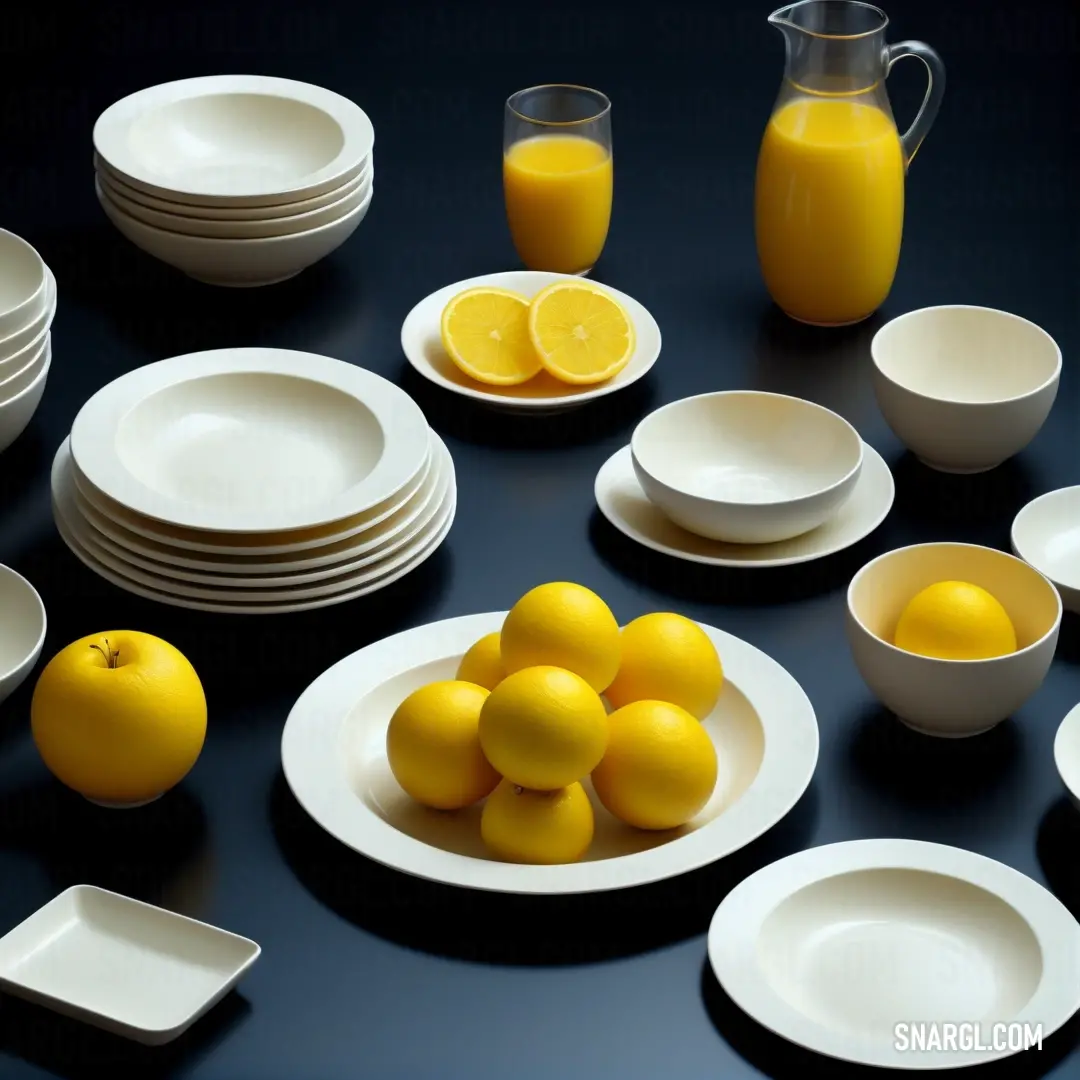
(557, 176)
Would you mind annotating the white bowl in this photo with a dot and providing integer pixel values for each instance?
(22, 629)
(746, 467)
(234, 230)
(17, 412)
(238, 263)
(1067, 753)
(23, 284)
(951, 698)
(33, 331)
(1046, 533)
(964, 388)
(234, 140)
(22, 374)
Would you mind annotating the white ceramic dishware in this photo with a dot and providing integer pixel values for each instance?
(23, 284)
(626, 506)
(21, 370)
(239, 263)
(234, 140)
(964, 388)
(1046, 534)
(22, 630)
(867, 951)
(951, 698)
(421, 342)
(333, 752)
(121, 965)
(1067, 753)
(34, 330)
(250, 440)
(746, 467)
(18, 409)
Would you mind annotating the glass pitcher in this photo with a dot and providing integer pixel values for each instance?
(829, 193)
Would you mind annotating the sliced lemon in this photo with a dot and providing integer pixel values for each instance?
(580, 332)
(485, 331)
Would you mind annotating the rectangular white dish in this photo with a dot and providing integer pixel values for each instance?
(130, 968)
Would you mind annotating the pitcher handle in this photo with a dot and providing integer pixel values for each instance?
(912, 139)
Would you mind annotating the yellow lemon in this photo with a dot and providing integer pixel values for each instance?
(119, 717)
(542, 827)
(953, 620)
(564, 625)
(543, 728)
(482, 664)
(667, 657)
(433, 746)
(660, 768)
(581, 332)
(485, 331)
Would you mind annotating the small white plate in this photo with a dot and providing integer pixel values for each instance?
(249, 440)
(333, 752)
(421, 341)
(625, 505)
(835, 947)
(1067, 753)
(1046, 535)
(122, 965)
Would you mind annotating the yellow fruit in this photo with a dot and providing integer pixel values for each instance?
(485, 331)
(953, 620)
(433, 747)
(542, 827)
(564, 625)
(543, 728)
(666, 657)
(119, 717)
(580, 332)
(482, 664)
(660, 767)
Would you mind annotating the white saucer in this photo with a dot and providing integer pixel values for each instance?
(1067, 753)
(1046, 535)
(422, 344)
(625, 505)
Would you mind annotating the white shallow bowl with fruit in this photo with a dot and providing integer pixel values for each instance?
(334, 756)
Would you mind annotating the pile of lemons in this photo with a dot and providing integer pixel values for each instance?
(527, 719)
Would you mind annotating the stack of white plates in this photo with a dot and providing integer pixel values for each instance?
(235, 179)
(252, 481)
(27, 309)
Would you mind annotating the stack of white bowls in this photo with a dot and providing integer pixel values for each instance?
(27, 308)
(235, 179)
(252, 481)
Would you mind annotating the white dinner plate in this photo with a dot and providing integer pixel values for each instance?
(1046, 535)
(625, 505)
(333, 752)
(1067, 753)
(421, 341)
(249, 440)
(855, 950)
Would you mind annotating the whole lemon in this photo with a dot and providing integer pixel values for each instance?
(543, 728)
(119, 717)
(433, 747)
(667, 657)
(953, 620)
(562, 625)
(542, 827)
(660, 768)
(482, 664)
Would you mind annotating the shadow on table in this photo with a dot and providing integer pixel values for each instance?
(1069, 640)
(67, 1048)
(500, 928)
(776, 1058)
(1057, 846)
(24, 463)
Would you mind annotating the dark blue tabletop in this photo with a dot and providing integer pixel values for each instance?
(366, 973)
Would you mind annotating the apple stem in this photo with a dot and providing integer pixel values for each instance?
(111, 657)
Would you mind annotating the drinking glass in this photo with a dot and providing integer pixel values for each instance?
(557, 176)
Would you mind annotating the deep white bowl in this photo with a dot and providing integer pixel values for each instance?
(1046, 534)
(23, 284)
(22, 629)
(34, 330)
(964, 388)
(951, 698)
(22, 373)
(746, 467)
(18, 410)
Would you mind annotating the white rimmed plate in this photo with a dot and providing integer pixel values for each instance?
(249, 440)
(1046, 535)
(421, 342)
(1067, 753)
(625, 505)
(334, 757)
(836, 947)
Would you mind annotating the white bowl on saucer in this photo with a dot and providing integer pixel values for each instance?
(951, 698)
(32, 333)
(22, 629)
(964, 388)
(18, 410)
(1067, 753)
(24, 280)
(1046, 534)
(747, 467)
